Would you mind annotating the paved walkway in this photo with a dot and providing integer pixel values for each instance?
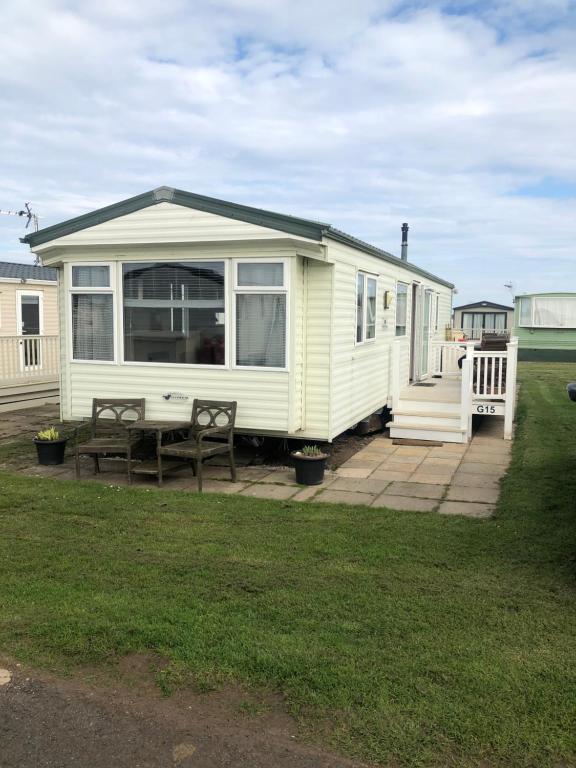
(452, 479)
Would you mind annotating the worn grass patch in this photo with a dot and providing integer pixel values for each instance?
(406, 639)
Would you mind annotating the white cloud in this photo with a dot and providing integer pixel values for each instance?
(363, 114)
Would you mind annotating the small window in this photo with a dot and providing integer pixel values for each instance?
(401, 308)
(525, 311)
(91, 276)
(260, 274)
(366, 290)
(92, 326)
(260, 315)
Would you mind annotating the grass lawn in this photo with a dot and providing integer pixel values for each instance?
(404, 638)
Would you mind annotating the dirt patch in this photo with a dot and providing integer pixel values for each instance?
(119, 716)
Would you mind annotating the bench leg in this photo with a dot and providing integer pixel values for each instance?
(77, 457)
(199, 474)
(160, 478)
(96, 464)
(232, 465)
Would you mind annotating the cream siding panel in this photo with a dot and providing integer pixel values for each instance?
(297, 344)
(317, 334)
(262, 396)
(361, 373)
(166, 223)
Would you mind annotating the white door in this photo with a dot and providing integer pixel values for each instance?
(421, 332)
(29, 317)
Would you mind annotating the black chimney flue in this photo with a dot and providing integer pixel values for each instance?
(404, 252)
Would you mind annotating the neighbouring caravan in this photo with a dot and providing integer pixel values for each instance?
(171, 296)
(545, 324)
(29, 358)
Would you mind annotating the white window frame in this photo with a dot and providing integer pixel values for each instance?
(406, 325)
(227, 334)
(533, 324)
(111, 289)
(366, 276)
(261, 289)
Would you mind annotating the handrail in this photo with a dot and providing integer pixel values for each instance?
(23, 358)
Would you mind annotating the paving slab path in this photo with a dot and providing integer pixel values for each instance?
(451, 479)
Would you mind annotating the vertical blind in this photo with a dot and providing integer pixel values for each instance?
(261, 330)
(92, 326)
(370, 308)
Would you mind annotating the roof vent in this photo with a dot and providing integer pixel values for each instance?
(404, 252)
(163, 194)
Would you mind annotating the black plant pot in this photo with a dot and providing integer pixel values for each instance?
(571, 390)
(50, 451)
(309, 469)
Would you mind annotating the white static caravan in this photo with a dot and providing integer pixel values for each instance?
(171, 296)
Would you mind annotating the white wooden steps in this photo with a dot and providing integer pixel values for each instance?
(429, 413)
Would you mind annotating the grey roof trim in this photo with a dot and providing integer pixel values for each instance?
(14, 270)
(307, 228)
(483, 304)
(353, 242)
(291, 224)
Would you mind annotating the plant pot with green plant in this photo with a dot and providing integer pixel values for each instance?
(50, 446)
(310, 464)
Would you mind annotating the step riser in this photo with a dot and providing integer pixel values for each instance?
(433, 407)
(427, 434)
(441, 421)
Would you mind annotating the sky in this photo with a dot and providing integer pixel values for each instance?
(456, 117)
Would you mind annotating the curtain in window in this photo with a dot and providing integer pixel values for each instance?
(92, 326)
(555, 311)
(370, 308)
(261, 330)
(525, 311)
(359, 306)
(401, 307)
(87, 276)
(500, 321)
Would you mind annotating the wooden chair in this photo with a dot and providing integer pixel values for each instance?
(210, 419)
(108, 433)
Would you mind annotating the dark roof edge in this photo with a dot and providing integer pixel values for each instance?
(342, 237)
(312, 230)
(483, 303)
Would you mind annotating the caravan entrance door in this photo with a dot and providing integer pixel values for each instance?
(420, 333)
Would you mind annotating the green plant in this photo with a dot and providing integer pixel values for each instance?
(311, 450)
(48, 434)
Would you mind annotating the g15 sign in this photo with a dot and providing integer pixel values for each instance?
(488, 409)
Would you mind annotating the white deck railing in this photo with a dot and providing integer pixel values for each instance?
(487, 377)
(25, 358)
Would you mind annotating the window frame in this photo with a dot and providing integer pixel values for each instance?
(533, 324)
(365, 276)
(227, 333)
(257, 290)
(406, 325)
(110, 290)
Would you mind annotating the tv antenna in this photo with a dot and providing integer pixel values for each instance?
(31, 217)
(510, 286)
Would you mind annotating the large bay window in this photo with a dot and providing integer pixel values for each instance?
(174, 312)
(366, 288)
(92, 313)
(260, 314)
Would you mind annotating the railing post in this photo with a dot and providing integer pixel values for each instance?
(466, 397)
(510, 401)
